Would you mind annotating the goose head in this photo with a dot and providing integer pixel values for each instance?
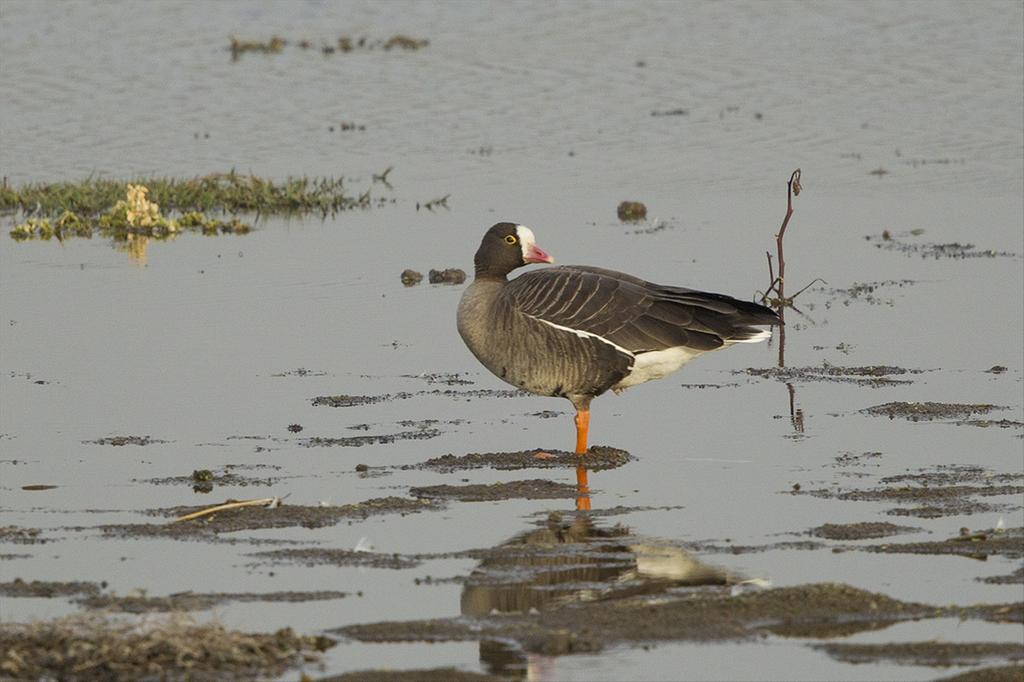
(505, 247)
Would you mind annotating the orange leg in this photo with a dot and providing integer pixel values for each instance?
(582, 426)
(582, 489)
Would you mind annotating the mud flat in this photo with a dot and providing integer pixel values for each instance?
(253, 518)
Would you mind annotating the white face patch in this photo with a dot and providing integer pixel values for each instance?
(526, 238)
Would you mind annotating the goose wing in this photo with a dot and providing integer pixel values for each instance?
(628, 312)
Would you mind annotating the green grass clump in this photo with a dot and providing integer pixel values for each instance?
(224, 192)
(135, 215)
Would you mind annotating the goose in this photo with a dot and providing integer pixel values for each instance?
(576, 331)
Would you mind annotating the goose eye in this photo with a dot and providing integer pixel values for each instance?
(510, 239)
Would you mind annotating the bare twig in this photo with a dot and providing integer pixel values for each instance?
(261, 502)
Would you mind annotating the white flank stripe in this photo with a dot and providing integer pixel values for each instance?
(762, 335)
(584, 334)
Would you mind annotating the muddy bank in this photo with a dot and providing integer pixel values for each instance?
(534, 489)
(253, 518)
(91, 647)
(598, 458)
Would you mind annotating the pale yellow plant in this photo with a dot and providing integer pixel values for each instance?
(141, 212)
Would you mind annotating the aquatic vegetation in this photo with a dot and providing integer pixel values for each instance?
(131, 214)
(226, 192)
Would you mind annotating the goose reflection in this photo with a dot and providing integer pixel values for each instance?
(569, 560)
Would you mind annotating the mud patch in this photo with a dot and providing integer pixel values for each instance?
(322, 556)
(253, 518)
(860, 531)
(1007, 673)
(934, 654)
(205, 479)
(91, 647)
(1015, 578)
(945, 491)
(867, 292)
(534, 489)
(359, 441)
(47, 589)
(358, 400)
(193, 601)
(874, 376)
(21, 535)
(902, 243)
(119, 441)
(997, 423)
(598, 458)
(929, 411)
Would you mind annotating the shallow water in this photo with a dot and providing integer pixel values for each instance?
(540, 114)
